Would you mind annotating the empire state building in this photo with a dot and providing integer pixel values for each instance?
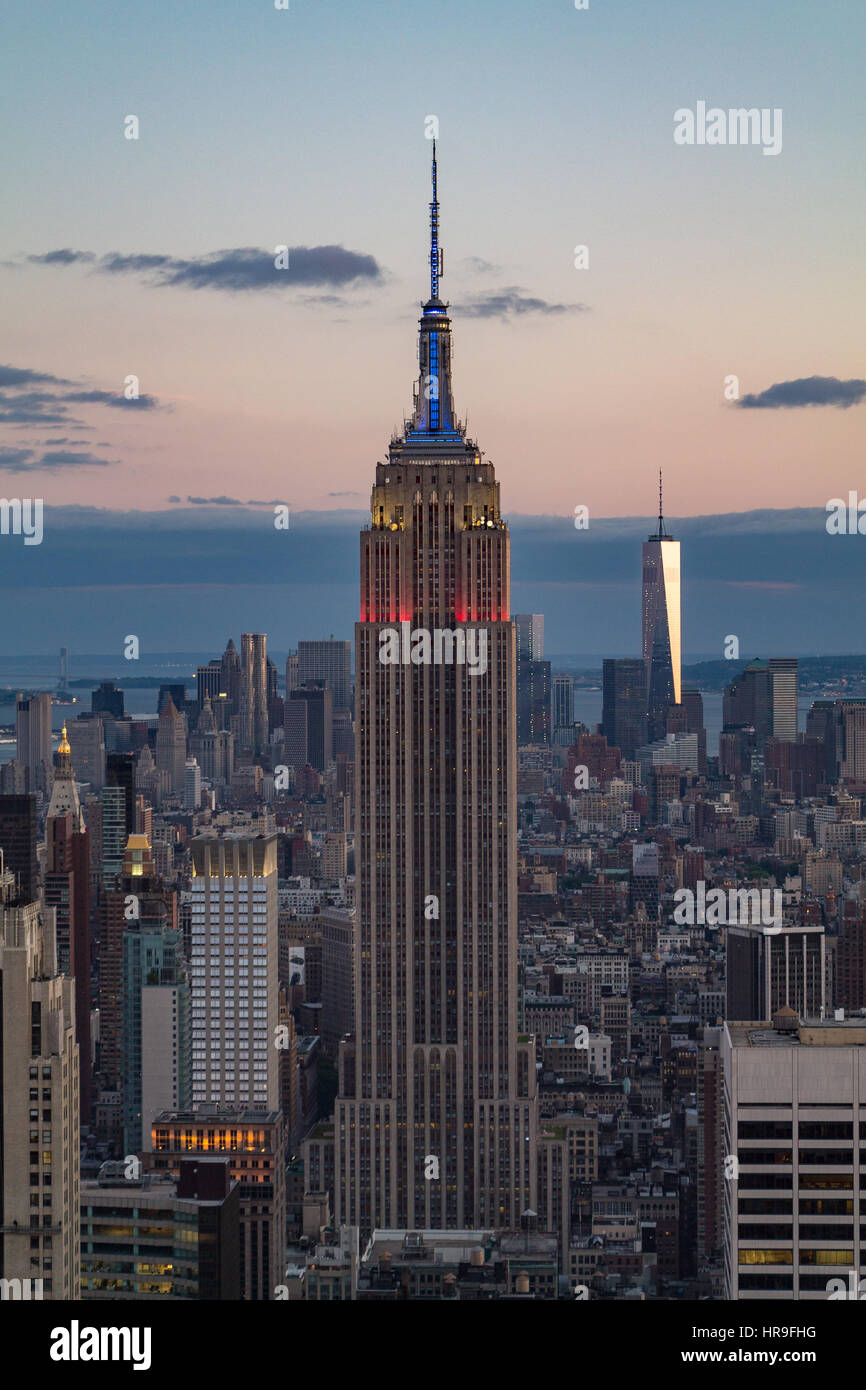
(436, 1117)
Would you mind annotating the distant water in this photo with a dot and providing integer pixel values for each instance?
(141, 702)
(138, 703)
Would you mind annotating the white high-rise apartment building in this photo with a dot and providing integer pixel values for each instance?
(233, 969)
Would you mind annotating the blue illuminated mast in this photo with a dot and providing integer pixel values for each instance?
(436, 268)
(433, 417)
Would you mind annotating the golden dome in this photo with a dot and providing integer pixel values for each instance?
(64, 742)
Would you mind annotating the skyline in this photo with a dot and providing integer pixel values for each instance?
(426, 873)
(151, 565)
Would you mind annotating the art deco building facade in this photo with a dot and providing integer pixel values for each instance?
(254, 691)
(662, 637)
(39, 1118)
(67, 890)
(436, 1115)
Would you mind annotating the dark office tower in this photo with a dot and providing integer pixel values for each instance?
(795, 769)
(563, 702)
(848, 740)
(661, 624)
(296, 733)
(747, 702)
(292, 673)
(230, 677)
(710, 1171)
(67, 889)
(766, 972)
(623, 717)
(156, 1058)
(320, 724)
(86, 736)
(33, 734)
(821, 724)
(171, 746)
(121, 880)
(107, 699)
(114, 833)
(693, 704)
(254, 691)
(850, 992)
(120, 772)
(783, 690)
(535, 720)
(436, 1069)
(529, 635)
(208, 682)
(174, 692)
(58, 884)
(327, 663)
(275, 704)
(18, 843)
(529, 631)
(338, 928)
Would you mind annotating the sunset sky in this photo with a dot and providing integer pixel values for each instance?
(305, 127)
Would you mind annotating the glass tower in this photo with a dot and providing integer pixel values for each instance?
(661, 624)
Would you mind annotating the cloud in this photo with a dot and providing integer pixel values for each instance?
(233, 501)
(25, 460)
(806, 390)
(114, 399)
(50, 397)
(64, 458)
(476, 265)
(33, 408)
(15, 460)
(512, 302)
(215, 501)
(22, 376)
(65, 256)
(235, 269)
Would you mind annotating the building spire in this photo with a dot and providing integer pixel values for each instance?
(433, 415)
(64, 793)
(661, 509)
(436, 268)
